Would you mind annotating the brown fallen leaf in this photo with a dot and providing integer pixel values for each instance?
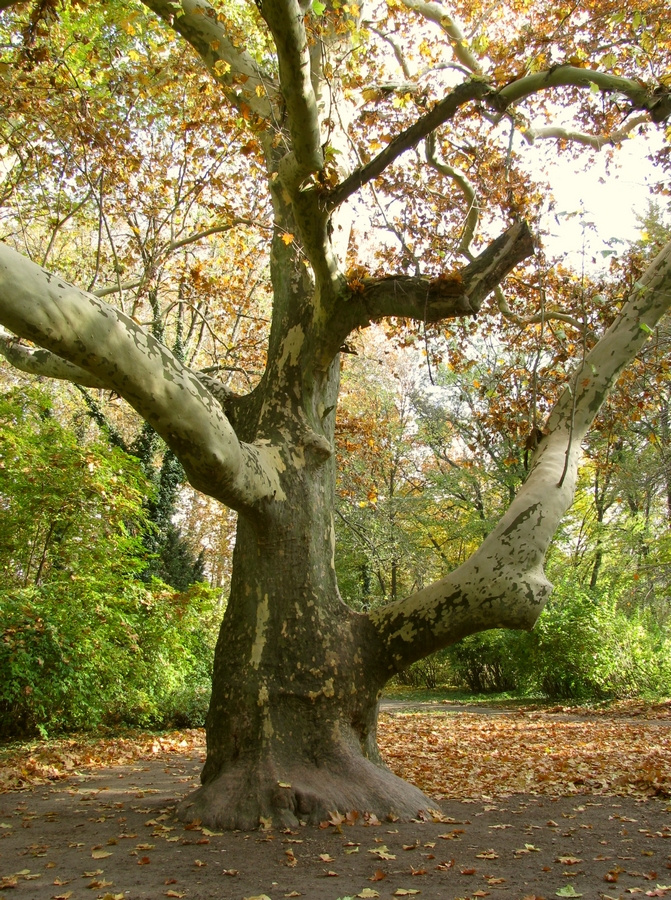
(99, 883)
(143, 861)
(199, 863)
(382, 852)
(100, 854)
(172, 893)
(231, 872)
(444, 866)
(378, 875)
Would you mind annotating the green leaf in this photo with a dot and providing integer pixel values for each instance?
(318, 8)
(568, 891)
(646, 328)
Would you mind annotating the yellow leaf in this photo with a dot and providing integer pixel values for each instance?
(287, 238)
(100, 854)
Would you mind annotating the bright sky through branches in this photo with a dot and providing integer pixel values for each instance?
(604, 205)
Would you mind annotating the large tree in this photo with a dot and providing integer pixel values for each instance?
(402, 117)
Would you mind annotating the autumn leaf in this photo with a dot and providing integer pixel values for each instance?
(172, 893)
(100, 854)
(568, 891)
(287, 238)
(382, 852)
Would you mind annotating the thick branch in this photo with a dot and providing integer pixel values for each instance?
(436, 12)
(545, 316)
(123, 357)
(657, 102)
(457, 294)
(446, 109)
(285, 20)
(35, 361)
(503, 583)
(466, 188)
(596, 141)
(242, 79)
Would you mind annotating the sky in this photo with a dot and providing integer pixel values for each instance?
(610, 200)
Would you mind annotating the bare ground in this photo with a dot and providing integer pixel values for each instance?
(109, 832)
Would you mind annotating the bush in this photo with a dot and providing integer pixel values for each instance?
(83, 641)
(489, 662)
(582, 647)
(432, 672)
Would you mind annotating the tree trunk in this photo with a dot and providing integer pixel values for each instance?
(291, 730)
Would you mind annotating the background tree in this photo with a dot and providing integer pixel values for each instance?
(327, 106)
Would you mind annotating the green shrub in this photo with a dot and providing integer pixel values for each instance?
(83, 641)
(489, 662)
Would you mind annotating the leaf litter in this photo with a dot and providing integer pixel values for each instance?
(497, 771)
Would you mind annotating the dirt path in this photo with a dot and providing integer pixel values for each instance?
(109, 832)
(662, 716)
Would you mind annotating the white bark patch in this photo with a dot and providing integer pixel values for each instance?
(262, 614)
(291, 347)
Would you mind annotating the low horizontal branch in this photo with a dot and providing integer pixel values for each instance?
(459, 293)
